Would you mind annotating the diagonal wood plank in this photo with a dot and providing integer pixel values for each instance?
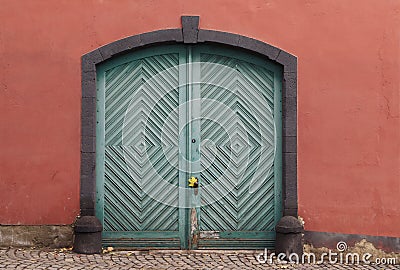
(242, 133)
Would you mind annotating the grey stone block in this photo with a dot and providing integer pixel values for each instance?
(90, 60)
(120, 47)
(288, 61)
(88, 163)
(52, 236)
(290, 212)
(88, 107)
(289, 128)
(289, 238)
(290, 179)
(289, 108)
(258, 46)
(289, 144)
(219, 37)
(87, 202)
(190, 28)
(168, 35)
(290, 84)
(88, 144)
(87, 238)
(88, 126)
(89, 88)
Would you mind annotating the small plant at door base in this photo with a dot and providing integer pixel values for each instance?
(108, 249)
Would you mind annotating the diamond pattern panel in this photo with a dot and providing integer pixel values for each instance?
(141, 135)
(239, 153)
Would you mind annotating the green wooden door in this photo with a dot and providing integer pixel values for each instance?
(167, 113)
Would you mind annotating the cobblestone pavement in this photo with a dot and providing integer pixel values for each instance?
(158, 259)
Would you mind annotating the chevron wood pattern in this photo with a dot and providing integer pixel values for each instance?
(135, 157)
(242, 153)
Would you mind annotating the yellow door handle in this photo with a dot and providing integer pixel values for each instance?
(193, 182)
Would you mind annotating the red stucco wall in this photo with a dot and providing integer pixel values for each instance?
(348, 99)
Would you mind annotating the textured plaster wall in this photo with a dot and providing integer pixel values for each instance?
(348, 99)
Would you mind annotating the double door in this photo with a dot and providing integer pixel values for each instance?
(188, 148)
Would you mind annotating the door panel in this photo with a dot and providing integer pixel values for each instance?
(239, 183)
(140, 146)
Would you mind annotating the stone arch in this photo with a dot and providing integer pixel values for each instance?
(188, 34)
